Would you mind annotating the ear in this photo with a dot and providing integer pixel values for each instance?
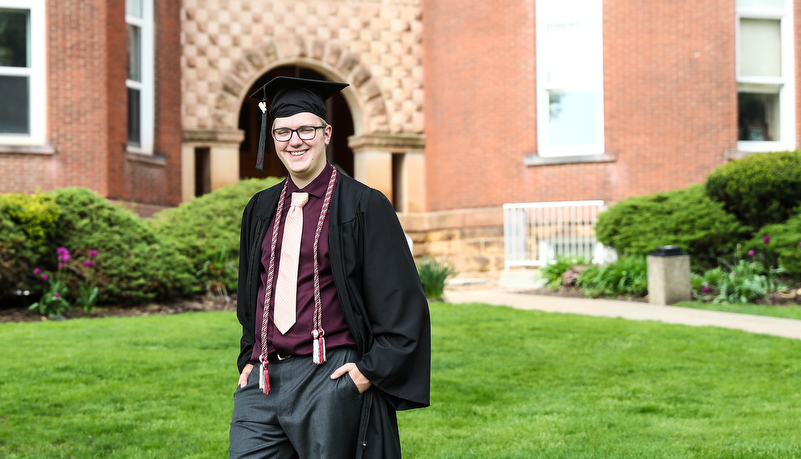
(327, 133)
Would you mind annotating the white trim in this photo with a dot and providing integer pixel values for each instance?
(36, 72)
(147, 85)
(785, 86)
(543, 87)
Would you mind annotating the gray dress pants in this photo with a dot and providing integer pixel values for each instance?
(306, 414)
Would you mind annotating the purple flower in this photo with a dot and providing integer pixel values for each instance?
(92, 253)
(750, 253)
(766, 239)
(88, 263)
(799, 244)
(37, 271)
(56, 295)
(45, 277)
(706, 289)
(63, 254)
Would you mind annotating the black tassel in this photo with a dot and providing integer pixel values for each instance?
(262, 141)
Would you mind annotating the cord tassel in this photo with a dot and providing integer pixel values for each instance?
(318, 346)
(262, 136)
(264, 376)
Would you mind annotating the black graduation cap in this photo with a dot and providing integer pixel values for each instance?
(291, 96)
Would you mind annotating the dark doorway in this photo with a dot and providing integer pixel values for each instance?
(250, 121)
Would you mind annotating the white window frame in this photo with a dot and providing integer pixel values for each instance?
(787, 104)
(36, 73)
(147, 86)
(543, 88)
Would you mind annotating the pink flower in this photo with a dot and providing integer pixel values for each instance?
(706, 289)
(56, 295)
(63, 254)
(88, 263)
(37, 271)
(766, 239)
(45, 277)
(92, 253)
(750, 253)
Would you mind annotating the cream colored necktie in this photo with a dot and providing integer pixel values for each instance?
(286, 287)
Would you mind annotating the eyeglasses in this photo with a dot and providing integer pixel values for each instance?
(304, 132)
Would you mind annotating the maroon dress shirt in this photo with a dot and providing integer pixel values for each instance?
(298, 339)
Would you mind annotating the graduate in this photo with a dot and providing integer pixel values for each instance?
(336, 333)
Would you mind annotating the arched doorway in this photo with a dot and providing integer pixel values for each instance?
(339, 116)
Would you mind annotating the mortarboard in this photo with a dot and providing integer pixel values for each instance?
(291, 96)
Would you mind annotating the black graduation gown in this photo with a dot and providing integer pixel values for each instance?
(381, 295)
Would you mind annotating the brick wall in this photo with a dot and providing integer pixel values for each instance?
(669, 94)
(86, 108)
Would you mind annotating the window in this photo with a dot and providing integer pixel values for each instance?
(22, 72)
(140, 82)
(570, 77)
(765, 75)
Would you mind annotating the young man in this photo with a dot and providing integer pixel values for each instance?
(335, 325)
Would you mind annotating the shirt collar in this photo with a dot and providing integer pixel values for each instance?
(317, 186)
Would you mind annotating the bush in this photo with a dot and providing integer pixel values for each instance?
(25, 222)
(552, 272)
(686, 218)
(759, 189)
(209, 224)
(744, 281)
(628, 276)
(433, 276)
(784, 243)
(133, 265)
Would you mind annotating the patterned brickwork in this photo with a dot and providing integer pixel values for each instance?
(374, 45)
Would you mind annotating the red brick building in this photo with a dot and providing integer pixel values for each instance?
(453, 110)
(75, 111)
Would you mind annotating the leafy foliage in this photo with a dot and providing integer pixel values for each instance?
(759, 189)
(433, 275)
(627, 276)
(784, 243)
(134, 265)
(25, 222)
(744, 281)
(552, 272)
(204, 226)
(686, 218)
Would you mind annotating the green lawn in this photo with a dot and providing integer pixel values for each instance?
(787, 312)
(506, 383)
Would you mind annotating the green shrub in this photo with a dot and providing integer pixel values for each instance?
(628, 276)
(433, 275)
(133, 265)
(25, 222)
(686, 218)
(552, 272)
(784, 243)
(759, 189)
(204, 226)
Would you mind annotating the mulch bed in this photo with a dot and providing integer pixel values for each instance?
(198, 304)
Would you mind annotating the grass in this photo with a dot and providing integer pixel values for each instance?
(506, 384)
(787, 312)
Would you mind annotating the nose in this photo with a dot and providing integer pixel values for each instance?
(294, 138)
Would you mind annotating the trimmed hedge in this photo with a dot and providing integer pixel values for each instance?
(207, 227)
(686, 218)
(759, 189)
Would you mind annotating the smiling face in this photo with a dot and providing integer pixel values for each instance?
(304, 159)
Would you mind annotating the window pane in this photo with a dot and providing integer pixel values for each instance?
(14, 41)
(572, 118)
(772, 4)
(758, 116)
(760, 48)
(134, 117)
(570, 61)
(133, 8)
(14, 105)
(134, 53)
